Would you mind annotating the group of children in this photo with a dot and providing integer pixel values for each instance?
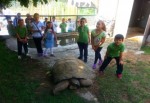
(36, 28)
(114, 50)
(98, 35)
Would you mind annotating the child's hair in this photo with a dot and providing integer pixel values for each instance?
(119, 36)
(47, 26)
(20, 20)
(104, 26)
(36, 15)
(83, 19)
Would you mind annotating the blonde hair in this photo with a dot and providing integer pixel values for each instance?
(103, 24)
(36, 15)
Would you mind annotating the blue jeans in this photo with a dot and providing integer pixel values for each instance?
(83, 47)
(97, 55)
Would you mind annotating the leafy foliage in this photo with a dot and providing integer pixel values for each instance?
(25, 3)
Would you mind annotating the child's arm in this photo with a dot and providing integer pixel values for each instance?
(43, 37)
(102, 41)
(88, 32)
(92, 41)
(121, 57)
(26, 36)
(18, 37)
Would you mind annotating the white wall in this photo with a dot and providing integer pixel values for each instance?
(123, 17)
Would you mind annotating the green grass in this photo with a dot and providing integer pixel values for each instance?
(146, 49)
(134, 87)
(17, 87)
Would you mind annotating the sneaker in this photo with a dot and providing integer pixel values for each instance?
(119, 76)
(94, 66)
(52, 55)
(80, 58)
(19, 57)
(100, 62)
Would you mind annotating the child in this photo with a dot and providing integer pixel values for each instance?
(63, 26)
(114, 50)
(21, 33)
(83, 39)
(55, 24)
(97, 39)
(71, 25)
(49, 37)
(10, 28)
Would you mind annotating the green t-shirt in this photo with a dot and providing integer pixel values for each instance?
(97, 37)
(21, 31)
(63, 27)
(83, 34)
(11, 30)
(114, 50)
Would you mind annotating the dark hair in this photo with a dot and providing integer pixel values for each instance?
(47, 27)
(119, 36)
(20, 20)
(83, 19)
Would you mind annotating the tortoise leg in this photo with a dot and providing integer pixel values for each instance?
(60, 86)
(86, 82)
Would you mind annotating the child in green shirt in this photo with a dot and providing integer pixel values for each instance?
(10, 28)
(63, 26)
(83, 39)
(114, 51)
(21, 33)
(98, 36)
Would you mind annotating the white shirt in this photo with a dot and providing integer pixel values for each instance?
(37, 26)
(55, 25)
(71, 26)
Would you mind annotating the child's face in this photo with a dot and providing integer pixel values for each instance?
(82, 22)
(49, 25)
(63, 20)
(36, 17)
(99, 25)
(21, 22)
(118, 41)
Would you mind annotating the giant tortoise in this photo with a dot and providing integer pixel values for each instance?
(72, 73)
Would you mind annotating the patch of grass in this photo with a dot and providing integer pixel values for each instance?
(17, 87)
(132, 88)
(146, 49)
